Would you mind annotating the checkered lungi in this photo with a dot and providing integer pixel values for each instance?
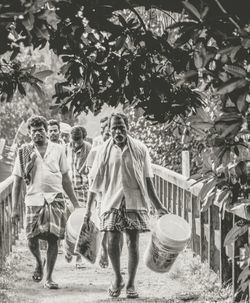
(81, 193)
(49, 218)
(123, 219)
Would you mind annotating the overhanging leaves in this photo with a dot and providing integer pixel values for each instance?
(237, 230)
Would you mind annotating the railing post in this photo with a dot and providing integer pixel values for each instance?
(185, 163)
(1, 233)
(2, 143)
(225, 266)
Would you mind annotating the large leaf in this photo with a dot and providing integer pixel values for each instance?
(187, 76)
(221, 196)
(206, 188)
(192, 9)
(198, 60)
(209, 199)
(231, 85)
(242, 103)
(38, 90)
(43, 74)
(231, 130)
(236, 71)
(120, 42)
(237, 230)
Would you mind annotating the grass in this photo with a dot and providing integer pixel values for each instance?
(203, 282)
(7, 276)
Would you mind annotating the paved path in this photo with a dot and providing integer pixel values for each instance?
(90, 284)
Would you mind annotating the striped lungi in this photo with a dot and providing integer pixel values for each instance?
(123, 219)
(49, 218)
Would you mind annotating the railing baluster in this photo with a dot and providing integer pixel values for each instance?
(235, 264)
(2, 253)
(174, 198)
(178, 199)
(225, 266)
(203, 251)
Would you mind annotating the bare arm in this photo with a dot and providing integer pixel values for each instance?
(16, 189)
(154, 198)
(91, 199)
(68, 188)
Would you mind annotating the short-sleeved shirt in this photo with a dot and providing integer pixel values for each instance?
(97, 141)
(46, 175)
(123, 182)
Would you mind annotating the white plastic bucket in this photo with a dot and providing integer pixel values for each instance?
(74, 222)
(73, 227)
(168, 239)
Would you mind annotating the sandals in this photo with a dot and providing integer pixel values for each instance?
(38, 273)
(132, 293)
(51, 285)
(115, 292)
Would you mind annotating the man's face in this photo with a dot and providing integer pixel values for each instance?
(106, 134)
(118, 130)
(54, 133)
(104, 126)
(38, 134)
(65, 137)
(76, 143)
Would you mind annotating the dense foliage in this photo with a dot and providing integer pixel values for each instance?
(165, 142)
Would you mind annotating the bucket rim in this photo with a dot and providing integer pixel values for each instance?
(180, 240)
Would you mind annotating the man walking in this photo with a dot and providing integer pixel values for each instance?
(54, 131)
(104, 126)
(122, 174)
(43, 166)
(103, 262)
(65, 132)
(77, 152)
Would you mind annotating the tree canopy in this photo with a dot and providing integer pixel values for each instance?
(120, 51)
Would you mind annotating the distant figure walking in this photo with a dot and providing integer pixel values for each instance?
(77, 152)
(54, 131)
(104, 261)
(100, 139)
(43, 166)
(122, 175)
(65, 132)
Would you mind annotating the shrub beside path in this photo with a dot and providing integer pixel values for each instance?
(90, 284)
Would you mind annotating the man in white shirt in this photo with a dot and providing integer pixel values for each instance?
(122, 176)
(104, 261)
(65, 132)
(99, 139)
(43, 166)
(54, 131)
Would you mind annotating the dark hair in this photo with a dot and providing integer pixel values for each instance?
(119, 116)
(36, 121)
(78, 132)
(104, 119)
(52, 122)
